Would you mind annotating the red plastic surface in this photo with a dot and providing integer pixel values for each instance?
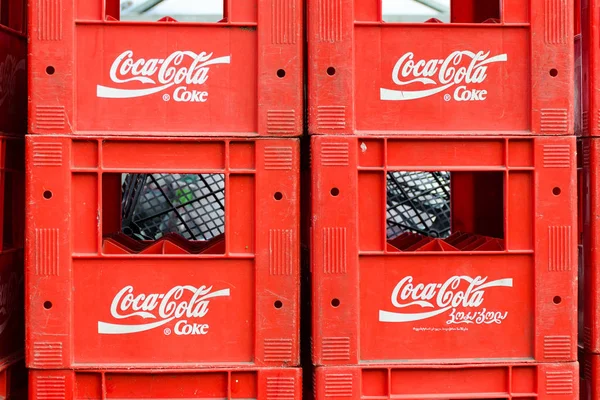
(591, 243)
(581, 298)
(13, 123)
(75, 275)
(12, 191)
(498, 381)
(12, 323)
(506, 75)
(90, 73)
(577, 16)
(590, 383)
(590, 34)
(217, 383)
(13, 380)
(467, 298)
(13, 68)
(578, 117)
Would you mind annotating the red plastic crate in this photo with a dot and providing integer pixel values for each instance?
(590, 114)
(231, 300)
(13, 380)
(591, 242)
(590, 382)
(581, 298)
(91, 73)
(12, 191)
(12, 333)
(13, 68)
(218, 383)
(577, 16)
(502, 286)
(578, 118)
(430, 382)
(507, 70)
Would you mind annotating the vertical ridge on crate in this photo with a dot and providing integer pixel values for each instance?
(334, 251)
(278, 202)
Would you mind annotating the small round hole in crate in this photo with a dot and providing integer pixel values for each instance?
(335, 302)
(281, 73)
(47, 194)
(47, 305)
(278, 304)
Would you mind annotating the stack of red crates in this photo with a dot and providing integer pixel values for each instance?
(486, 308)
(590, 198)
(13, 125)
(130, 302)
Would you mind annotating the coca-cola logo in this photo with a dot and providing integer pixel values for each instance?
(9, 290)
(460, 69)
(181, 69)
(8, 77)
(457, 293)
(180, 303)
